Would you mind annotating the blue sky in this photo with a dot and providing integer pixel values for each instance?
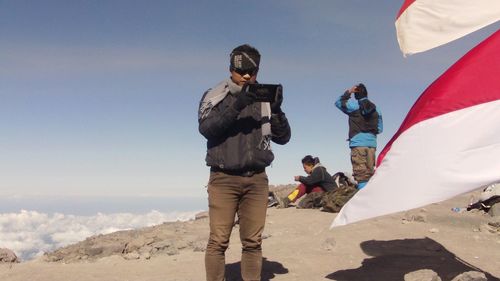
(99, 98)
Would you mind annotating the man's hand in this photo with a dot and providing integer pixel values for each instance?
(243, 99)
(353, 89)
(296, 178)
(276, 104)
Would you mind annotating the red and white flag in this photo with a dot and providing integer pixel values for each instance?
(448, 144)
(424, 24)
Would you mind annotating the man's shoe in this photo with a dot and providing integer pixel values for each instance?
(272, 202)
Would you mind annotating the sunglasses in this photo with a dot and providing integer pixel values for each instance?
(242, 72)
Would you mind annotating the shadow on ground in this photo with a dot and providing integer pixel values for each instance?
(269, 270)
(391, 260)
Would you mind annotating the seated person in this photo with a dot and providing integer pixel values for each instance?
(318, 180)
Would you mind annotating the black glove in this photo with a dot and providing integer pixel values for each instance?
(243, 99)
(276, 104)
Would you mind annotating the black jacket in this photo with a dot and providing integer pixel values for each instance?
(233, 137)
(319, 177)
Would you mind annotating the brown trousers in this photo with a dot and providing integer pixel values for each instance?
(363, 163)
(246, 196)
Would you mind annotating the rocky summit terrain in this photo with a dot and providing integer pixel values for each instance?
(430, 243)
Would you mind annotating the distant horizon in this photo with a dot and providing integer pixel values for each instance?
(92, 205)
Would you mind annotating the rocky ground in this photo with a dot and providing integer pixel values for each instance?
(431, 243)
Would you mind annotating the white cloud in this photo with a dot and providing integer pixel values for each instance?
(29, 233)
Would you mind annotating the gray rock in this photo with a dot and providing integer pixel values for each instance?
(94, 251)
(163, 244)
(495, 210)
(132, 256)
(137, 243)
(494, 222)
(422, 275)
(145, 256)
(434, 230)
(486, 228)
(420, 216)
(199, 246)
(7, 256)
(165, 247)
(265, 236)
(181, 245)
(201, 215)
(470, 276)
(113, 248)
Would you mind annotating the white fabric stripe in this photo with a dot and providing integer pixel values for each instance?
(249, 58)
(432, 161)
(426, 24)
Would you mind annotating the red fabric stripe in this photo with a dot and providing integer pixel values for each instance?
(406, 4)
(472, 80)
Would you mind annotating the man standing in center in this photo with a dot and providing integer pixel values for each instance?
(239, 131)
(365, 123)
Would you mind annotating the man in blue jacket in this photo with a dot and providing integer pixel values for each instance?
(365, 122)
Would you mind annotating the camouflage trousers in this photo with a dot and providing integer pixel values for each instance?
(363, 163)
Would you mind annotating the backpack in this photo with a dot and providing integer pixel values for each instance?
(333, 201)
(311, 201)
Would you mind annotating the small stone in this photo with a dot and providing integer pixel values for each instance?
(265, 236)
(433, 230)
(172, 251)
(495, 210)
(132, 256)
(329, 244)
(145, 256)
(162, 244)
(422, 275)
(199, 246)
(201, 215)
(494, 223)
(94, 251)
(420, 218)
(470, 276)
(485, 228)
(181, 244)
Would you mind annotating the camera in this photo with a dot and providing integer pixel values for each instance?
(265, 92)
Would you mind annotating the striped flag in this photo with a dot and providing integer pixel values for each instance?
(424, 24)
(448, 144)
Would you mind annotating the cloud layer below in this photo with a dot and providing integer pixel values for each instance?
(29, 233)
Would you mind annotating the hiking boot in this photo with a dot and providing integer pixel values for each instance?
(272, 202)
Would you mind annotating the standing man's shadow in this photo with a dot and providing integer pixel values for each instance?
(269, 270)
(391, 260)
